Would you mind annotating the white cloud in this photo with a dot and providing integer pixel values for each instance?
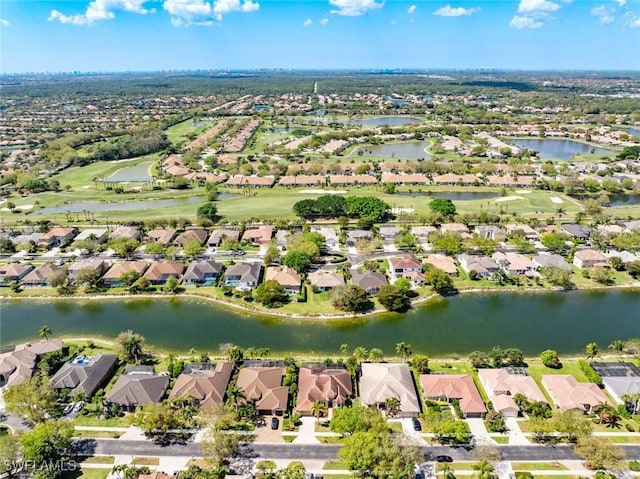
(621, 3)
(307, 22)
(537, 6)
(449, 11)
(411, 9)
(4, 22)
(203, 12)
(324, 21)
(524, 22)
(101, 10)
(354, 8)
(604, 14)
(635, 23)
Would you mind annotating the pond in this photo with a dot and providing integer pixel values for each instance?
(455, 325)
(138, 173)
(452, 195)
(623, 199)
(408, 150)
(95, 206)
(380, 121)
(557, 149)
(634, 131)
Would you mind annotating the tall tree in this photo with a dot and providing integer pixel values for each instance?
(130, 345)
(404, 350)
(45, 331)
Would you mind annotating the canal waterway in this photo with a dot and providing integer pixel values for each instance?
(449, 326)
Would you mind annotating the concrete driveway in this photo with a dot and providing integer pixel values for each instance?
(515, 433)
(307, 431)
(479, 430)
(264, 433)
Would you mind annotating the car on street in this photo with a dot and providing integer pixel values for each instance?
(444, 459)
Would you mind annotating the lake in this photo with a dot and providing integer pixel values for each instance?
(137, 173)
(451, 195)
(455, 325)
(381, 121)
(634, 131)
(407, 150)
(80, 206)
(557, 149)
(622, 199)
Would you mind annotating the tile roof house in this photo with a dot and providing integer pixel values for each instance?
(98, 264)
(126, 232)
(355, 235)
(577, 231)
(381, 381)
(369, 281)
(198, 235)
(388, 232)
(99, 235)
(286, 277)
(160, 271)
(302, 180)
(454, 228)
(217, 236)
(515, 263)
(17, 365)
(485, 267)
(443, 263)
(261, 234)
(589, 258)
(202, 272)
(501, 387)
(205, 383)
(567, 393)
(263, 387)
(138, 386)
(58, 236)
(113, 274)
(14, 272)
(346, 180)
(43, 274)
(255, 181)
(243, 275)
(162, 236)
(492, 232)
(85, 374)
(156, 475)
(423, 232)
(329, 233)
(324, 280)
(448, 387)
(401, 265)
(331, 387)
(548, 260)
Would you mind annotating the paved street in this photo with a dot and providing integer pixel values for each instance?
(319, 451)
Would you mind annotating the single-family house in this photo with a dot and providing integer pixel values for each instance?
(515, 263)
(329, 234)
(399, 266)
(388, 232)
(484, 266)
(139, 385)
(85, 374)
(253, 181)
(18, 364)
(218, 236)
(323, 280)
(459, 387)
(459, 228)
(262, 386)
(162, 236)
(551, 260)
(96, 264)
(198, 234)
(243, 275)
(202, 272)
(286, 277)
(126, 232)
(204, 383)
(625, 256)
(589, 258)
(14, 272)
(160, 271)
(112, 277)
(99, 235)
(370, 281)
(526, 230)
(355, 235)
(42, 275)
(580, 232)
(260, 235)
(58, 236)
(501, 386)
(442, 262)
(422, 232)
(156, 475)
(491, 232)
(331, 387)
(567, 393)
(622, 386)
(381, 381)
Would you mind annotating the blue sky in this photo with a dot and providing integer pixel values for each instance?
(118, 35)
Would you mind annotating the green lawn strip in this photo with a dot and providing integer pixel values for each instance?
(288, 438)
(501, 439)
(320, 427)
(460, 466)
(95, 460)
(178, 133)
(335, 465)
(536, 370)
(338, 476)
(537, 466)
(103, 434)
(330, 439)
(624, 439)
(395, 426)
(86, 474)
(94, 421)
(146, 461)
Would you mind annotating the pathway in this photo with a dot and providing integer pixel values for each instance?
(307, 431)
(516, 437)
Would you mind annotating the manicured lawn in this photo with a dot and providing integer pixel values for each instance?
(330, 439)
(103, 434)
(86, 474)
(177, 134)
(536, 370)
(334, 465)
(537, 466)
(146, 461)
(288, 438)
(94, 421)
(96, 460)
(501, 439)
(395, 426)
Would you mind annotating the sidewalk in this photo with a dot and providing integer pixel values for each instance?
(307, 431)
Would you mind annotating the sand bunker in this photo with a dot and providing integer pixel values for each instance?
(323, 192)
(509, 198)
(556, 200)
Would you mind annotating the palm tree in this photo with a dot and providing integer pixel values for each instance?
(404, 350)
(392, 405)
(484, 470)
(360, 354)
(617, 346)
(44, 332)
(235, 395)
(344, 349)
(591, 350)
(318, 409)
(376, 354)
(131, 345)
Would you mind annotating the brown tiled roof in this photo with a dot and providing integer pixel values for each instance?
(454, 386)
(207, 386)
(324, 385)
(263, 387)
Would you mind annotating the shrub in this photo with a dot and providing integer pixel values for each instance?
(591, 373)
(523, 475)
(634, 466)
(550, 359)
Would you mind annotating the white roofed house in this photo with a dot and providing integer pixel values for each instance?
(515, 264)
(483, 266)
(589, 258)
(323, 280)
(381, 381)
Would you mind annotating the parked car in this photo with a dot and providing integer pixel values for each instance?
(275, 422)
(444, 459)
(68, 408)
(416, 424)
